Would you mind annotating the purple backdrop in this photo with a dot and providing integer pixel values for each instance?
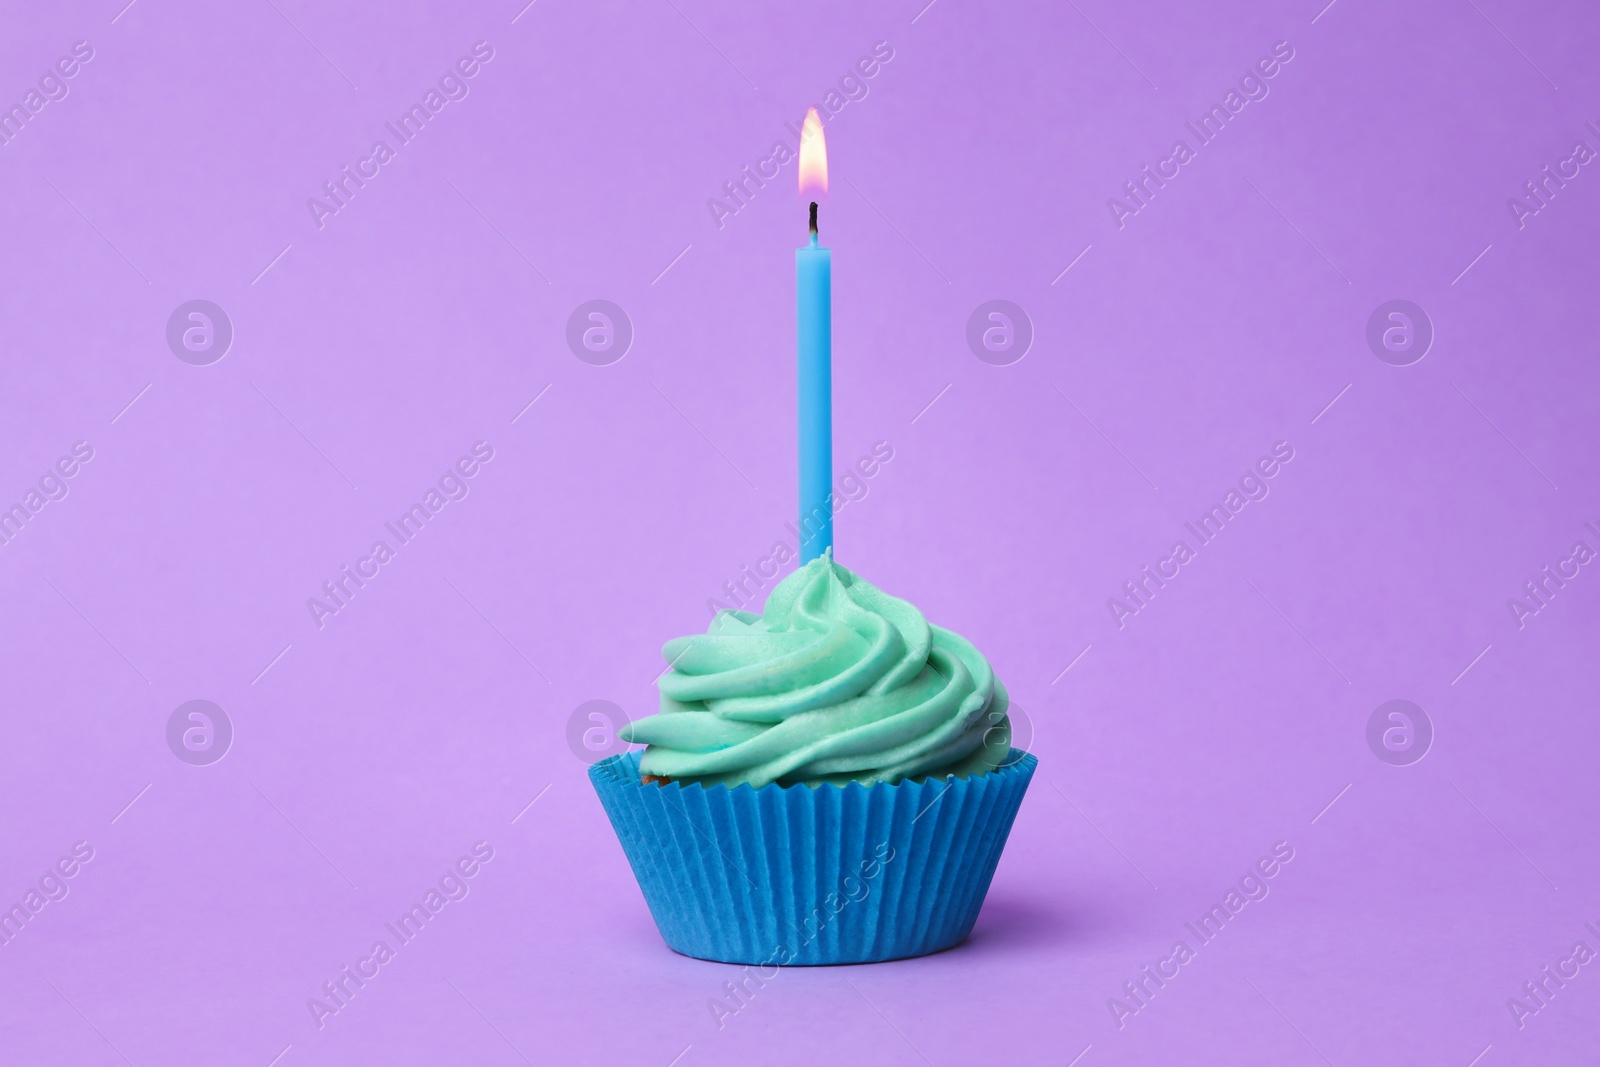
(1174, 325)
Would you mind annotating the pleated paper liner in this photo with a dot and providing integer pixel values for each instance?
(799, 876)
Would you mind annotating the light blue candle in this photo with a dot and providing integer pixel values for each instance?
(813, 276)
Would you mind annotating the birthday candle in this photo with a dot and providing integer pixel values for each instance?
(813, 269)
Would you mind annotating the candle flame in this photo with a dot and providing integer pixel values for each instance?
(813, 158)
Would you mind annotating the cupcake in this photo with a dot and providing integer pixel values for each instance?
(830, 781)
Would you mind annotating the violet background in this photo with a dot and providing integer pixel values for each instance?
(429, 713)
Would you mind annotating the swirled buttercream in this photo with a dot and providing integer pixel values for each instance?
(835, 682)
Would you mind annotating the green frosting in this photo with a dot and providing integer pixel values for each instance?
(836, 682)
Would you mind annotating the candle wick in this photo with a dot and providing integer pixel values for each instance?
(813, 218)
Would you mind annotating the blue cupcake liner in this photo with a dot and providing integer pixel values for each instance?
(792, 875)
